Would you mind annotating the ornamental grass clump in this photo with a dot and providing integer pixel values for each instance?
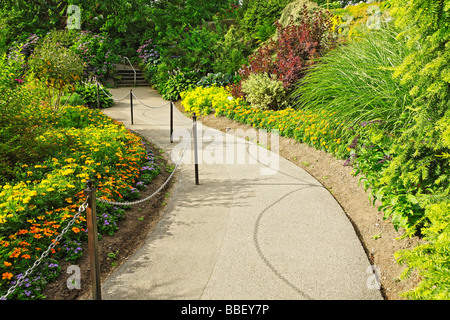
(356, 81)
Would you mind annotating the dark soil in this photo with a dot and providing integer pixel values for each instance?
(138, 223)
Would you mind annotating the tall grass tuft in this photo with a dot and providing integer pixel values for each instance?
(356, 82)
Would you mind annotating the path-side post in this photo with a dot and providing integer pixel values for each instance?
(195, 148)
(98, 96)
(131, 104)
(91, 217)
(171, 121)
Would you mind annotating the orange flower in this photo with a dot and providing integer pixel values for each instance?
(7, 275)
(75, 229)
(15, 253)
(6, 263)
(26, 256)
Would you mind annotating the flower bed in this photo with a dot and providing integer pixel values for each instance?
(39, 203)
(316, 129)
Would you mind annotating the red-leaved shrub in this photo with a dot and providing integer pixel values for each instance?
(296, 48)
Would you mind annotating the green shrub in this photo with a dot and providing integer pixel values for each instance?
(260, 14)
(425, 70)
(73, 99)
(87, 91)
(431, 260)
(216, 79)
(264, 91)
(230, 53)
(178, 82)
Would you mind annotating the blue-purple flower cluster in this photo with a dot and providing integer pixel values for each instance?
(72, 250)
(32, 287)
(148, 53)
(149, 170)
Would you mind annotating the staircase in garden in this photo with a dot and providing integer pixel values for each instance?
(125, 77)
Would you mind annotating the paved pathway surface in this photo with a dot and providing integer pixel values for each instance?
(256, 227)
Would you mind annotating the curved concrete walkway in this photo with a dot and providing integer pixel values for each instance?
(256, 227)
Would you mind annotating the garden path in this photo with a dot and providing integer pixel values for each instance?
(256, 227)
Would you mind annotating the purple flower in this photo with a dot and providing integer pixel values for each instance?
(385, 158)
(347, 162)
(353, 143)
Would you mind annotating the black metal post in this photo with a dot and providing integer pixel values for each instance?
(131, 104)
(91, 217)
(98, 96)
(195, 148)
(171, 121)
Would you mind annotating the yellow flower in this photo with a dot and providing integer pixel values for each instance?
(67, 172)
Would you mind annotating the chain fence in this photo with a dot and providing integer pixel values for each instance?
(101, 88)
(127, 203)
(164, 105)
(55, 242)
(179, 118)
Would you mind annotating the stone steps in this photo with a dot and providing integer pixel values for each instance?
(126, 78)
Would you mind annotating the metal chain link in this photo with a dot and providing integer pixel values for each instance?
(182, 120)
(168, 103)
(154, 193)
(19, 282)
(101, 88)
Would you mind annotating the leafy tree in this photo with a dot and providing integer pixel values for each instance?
(24, 18)
(58, 67)
(258, 18)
